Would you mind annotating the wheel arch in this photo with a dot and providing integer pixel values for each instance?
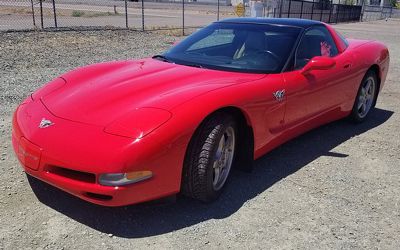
(376, 69)
(245, 151)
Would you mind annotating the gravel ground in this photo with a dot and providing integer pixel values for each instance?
(334, 187)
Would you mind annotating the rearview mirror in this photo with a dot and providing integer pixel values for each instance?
(319, 63)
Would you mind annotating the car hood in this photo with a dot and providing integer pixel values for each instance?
(98, 94)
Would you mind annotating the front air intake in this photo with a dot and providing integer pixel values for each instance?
(72, 174)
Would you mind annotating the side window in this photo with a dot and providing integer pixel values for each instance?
(316, 41)
(344, 40)
(218, 37)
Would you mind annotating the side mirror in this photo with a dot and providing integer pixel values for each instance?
(319, 63)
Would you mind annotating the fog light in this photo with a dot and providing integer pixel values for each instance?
(120, 179)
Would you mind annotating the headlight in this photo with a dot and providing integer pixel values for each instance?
(139, 122)
(120, 179)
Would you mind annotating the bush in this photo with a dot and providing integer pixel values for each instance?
(77, 13)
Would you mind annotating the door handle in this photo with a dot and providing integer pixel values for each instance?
(347, 65)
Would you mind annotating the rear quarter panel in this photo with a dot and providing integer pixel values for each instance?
(369, 53)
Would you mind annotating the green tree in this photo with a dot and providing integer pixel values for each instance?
(393, 3)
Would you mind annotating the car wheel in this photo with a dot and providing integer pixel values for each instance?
(209, 158)
(366, 97)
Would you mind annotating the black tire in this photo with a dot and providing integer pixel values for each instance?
(356, 114)
(198, 171)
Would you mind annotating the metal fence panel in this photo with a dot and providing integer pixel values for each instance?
(323, 11)
(376, 12)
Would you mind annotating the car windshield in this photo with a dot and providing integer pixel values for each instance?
(242, 47)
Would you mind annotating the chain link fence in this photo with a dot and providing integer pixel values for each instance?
(91, 14)
(170, 14)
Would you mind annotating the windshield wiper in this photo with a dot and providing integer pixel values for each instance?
(165, 59)
(162, 58)
(194, 65)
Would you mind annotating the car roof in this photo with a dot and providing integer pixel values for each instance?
(296, 22)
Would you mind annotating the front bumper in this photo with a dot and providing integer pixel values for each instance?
(71, 156)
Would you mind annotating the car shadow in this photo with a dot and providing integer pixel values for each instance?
(156, 218)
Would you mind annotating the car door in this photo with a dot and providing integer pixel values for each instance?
(318, 92)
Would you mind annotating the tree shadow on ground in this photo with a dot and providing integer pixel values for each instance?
(158, 218)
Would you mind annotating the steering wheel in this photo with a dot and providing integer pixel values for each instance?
(258, 57)
(272, 55)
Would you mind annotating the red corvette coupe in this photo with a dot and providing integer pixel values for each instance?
(126, 132)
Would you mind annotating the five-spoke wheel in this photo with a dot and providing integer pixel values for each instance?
(223, 158)
(366, 96)
(209, 157)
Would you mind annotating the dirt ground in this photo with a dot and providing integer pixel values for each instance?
(335, 187)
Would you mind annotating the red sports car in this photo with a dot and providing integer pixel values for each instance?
(124, 132)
